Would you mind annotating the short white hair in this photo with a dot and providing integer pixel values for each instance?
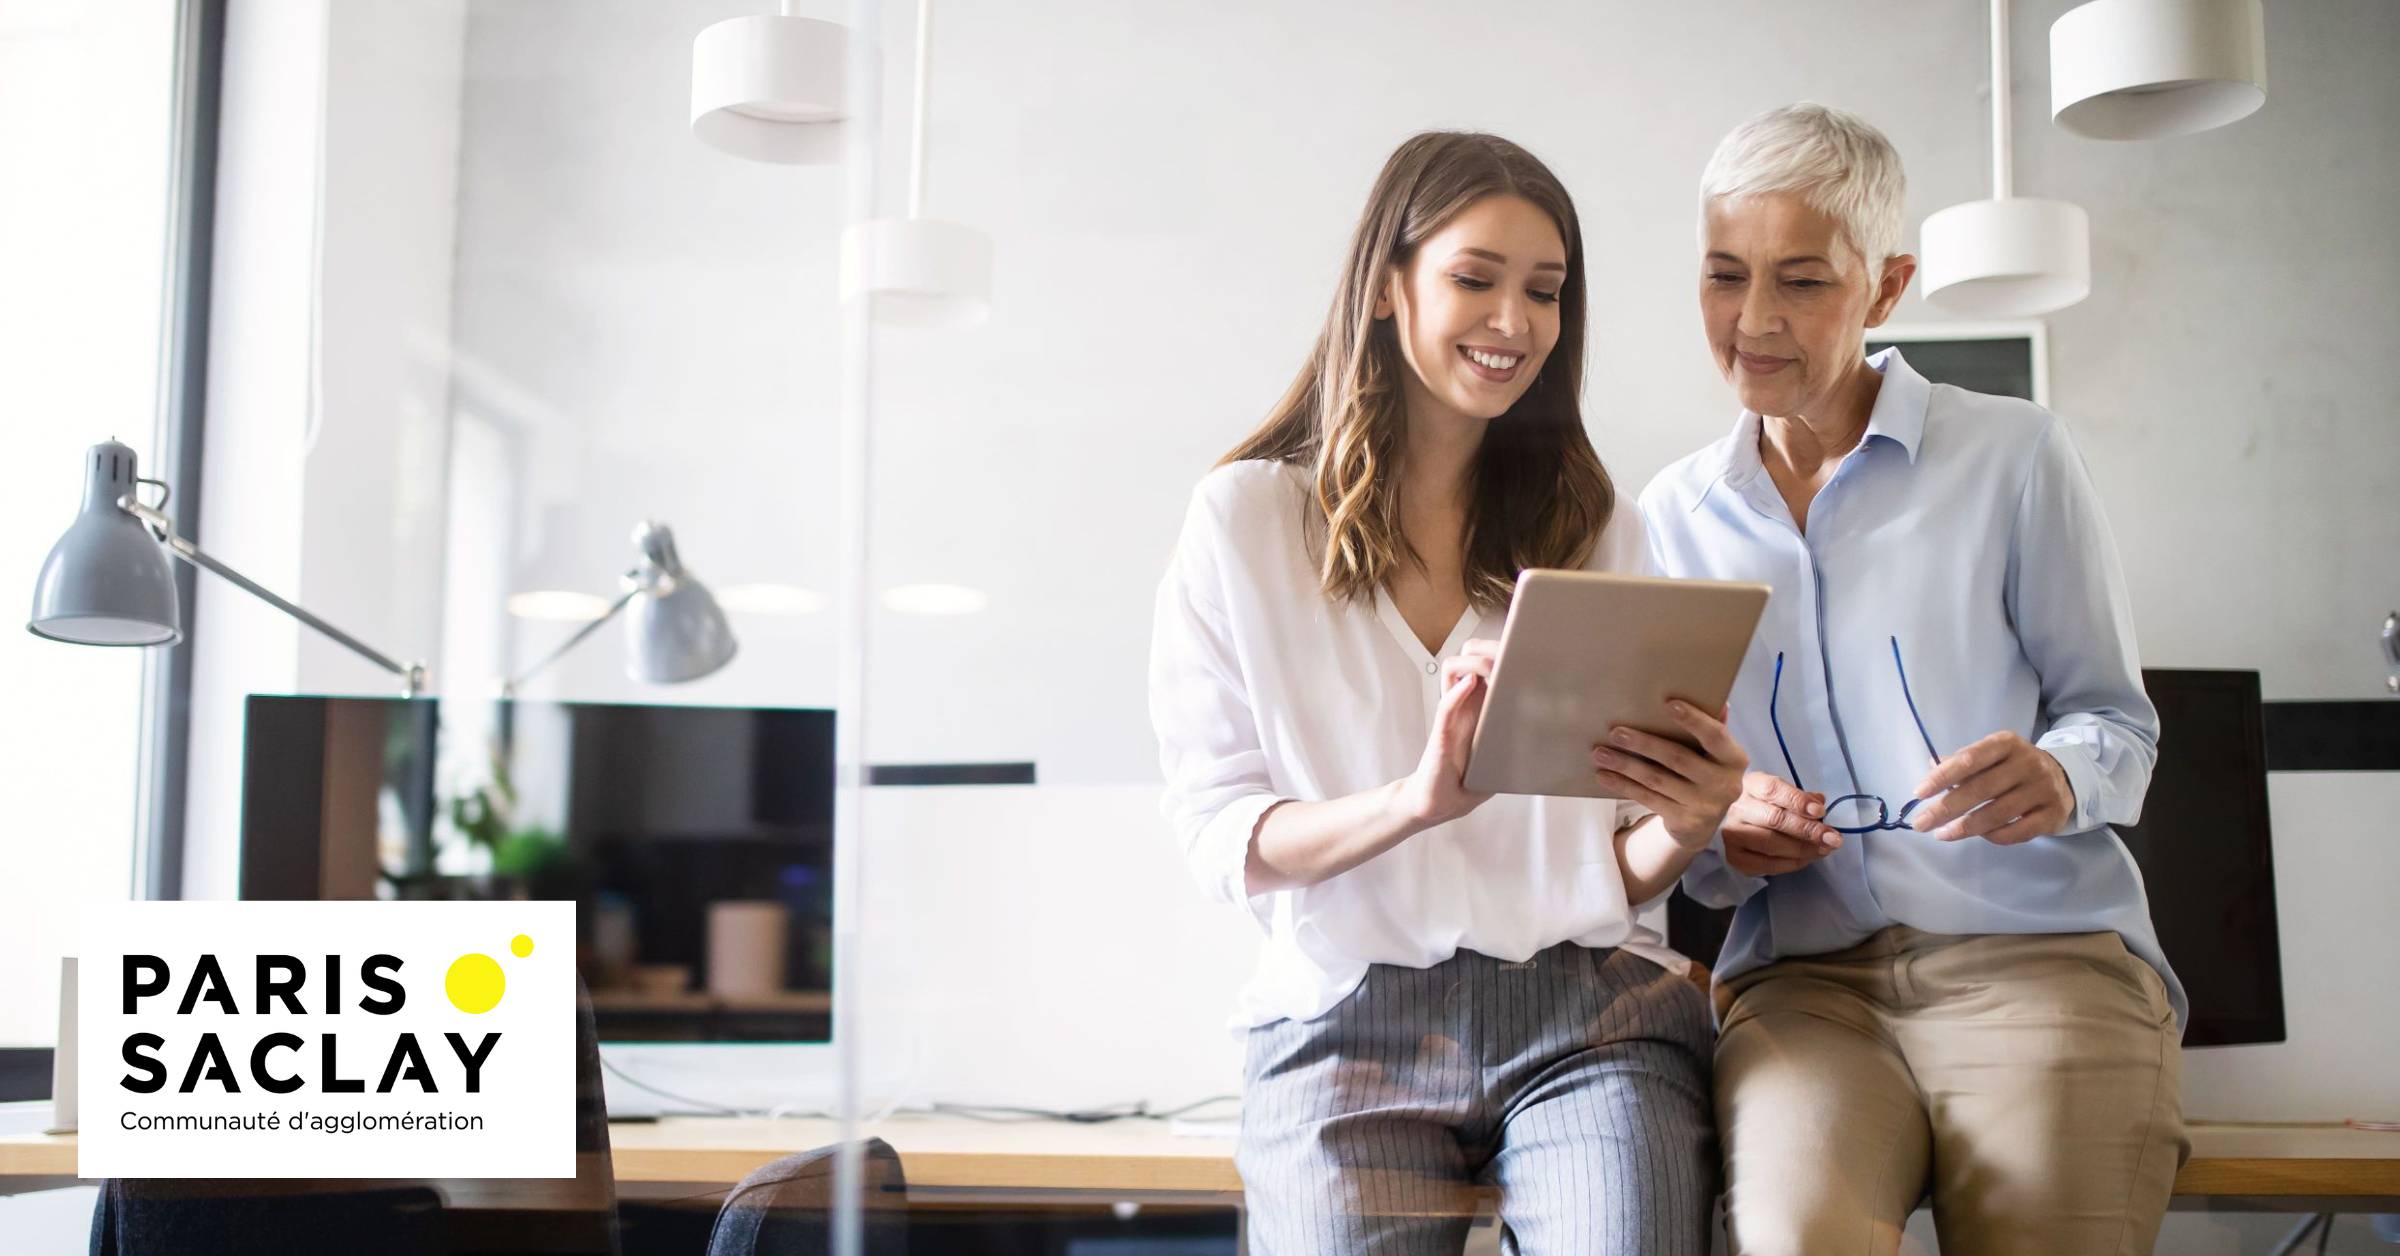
(1840, 164)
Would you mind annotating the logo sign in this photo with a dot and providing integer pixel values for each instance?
(327, 1040)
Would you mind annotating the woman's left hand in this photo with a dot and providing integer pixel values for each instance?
(1689, 789)
(2003, 789)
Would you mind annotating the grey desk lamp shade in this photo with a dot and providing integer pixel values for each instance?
(676, 631)
(107, 580)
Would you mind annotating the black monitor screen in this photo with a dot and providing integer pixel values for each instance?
(1999, 365)
(2204, 853)
(696, 842)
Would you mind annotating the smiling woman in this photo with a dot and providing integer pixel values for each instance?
(1488, 248)
(1316, 679)
(1947, 675)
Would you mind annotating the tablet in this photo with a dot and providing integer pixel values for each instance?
(1585, 652)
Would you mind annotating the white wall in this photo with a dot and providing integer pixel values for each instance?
(1042, 947)
(371, 558)
(257, 403)
(343, 513)
(1169, 215)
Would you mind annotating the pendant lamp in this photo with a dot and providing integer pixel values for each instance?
(2148, 69)
(769, 88)
(2010, 256)
(918, 271)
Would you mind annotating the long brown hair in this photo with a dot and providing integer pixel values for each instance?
(1541, 496)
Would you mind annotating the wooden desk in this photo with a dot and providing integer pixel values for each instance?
(2240, 1168)
(1139, 1160)
(2316, 1168)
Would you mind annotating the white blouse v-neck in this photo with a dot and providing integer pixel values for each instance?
(1261, 689)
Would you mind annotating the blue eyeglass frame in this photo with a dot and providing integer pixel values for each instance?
(1884, 819)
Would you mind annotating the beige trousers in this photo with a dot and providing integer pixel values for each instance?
(2030, 1083)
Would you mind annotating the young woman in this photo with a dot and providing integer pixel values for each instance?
(1453, 991)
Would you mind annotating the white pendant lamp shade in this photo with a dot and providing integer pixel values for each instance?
(2147, 69)
(769, 88)
(2009, 258)
(918, 272)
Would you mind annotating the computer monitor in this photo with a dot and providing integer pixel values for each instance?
(2003, 361)
(696, 843)
(2205, 853)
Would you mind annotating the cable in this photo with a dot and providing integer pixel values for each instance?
(714, 1109)
(2299, 1234)
(1138, 1110)
(1198, 1104)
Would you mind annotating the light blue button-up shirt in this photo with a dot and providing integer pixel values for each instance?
(1966, 527)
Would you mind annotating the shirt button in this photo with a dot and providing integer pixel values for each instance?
(1432, 668)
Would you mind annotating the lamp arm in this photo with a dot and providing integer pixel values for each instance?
(413, 674)
(2391, 651)
(510, 687)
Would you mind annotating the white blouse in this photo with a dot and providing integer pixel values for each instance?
(1261, 689)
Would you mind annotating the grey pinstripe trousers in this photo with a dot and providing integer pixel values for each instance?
(1577, 1083)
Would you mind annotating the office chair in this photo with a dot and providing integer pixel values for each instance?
(785, 1208)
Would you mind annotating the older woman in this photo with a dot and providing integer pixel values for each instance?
(1942, 975)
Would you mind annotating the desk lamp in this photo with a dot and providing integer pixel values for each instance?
(676, 631)
(106, 582)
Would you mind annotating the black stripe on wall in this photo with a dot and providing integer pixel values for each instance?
(950, 774)
(2333, 736)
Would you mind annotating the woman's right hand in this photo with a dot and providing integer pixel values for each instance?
(1776, 827)
(1435, 793)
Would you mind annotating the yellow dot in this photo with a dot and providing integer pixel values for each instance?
(520, 946)
(474, 983)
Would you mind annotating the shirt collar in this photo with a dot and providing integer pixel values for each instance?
(1898, 416)
(1899, 413)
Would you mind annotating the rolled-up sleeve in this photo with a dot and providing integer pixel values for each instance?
(2067, 598)
(1218, 784)
(1712, 882)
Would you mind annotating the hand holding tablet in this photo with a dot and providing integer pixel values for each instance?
(1689, 790)
(1585, 654)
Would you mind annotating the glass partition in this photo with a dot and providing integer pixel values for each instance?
(822, 548)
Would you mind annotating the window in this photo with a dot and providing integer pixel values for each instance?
(86, 139)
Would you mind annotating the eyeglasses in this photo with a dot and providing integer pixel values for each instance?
(1884, 819)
